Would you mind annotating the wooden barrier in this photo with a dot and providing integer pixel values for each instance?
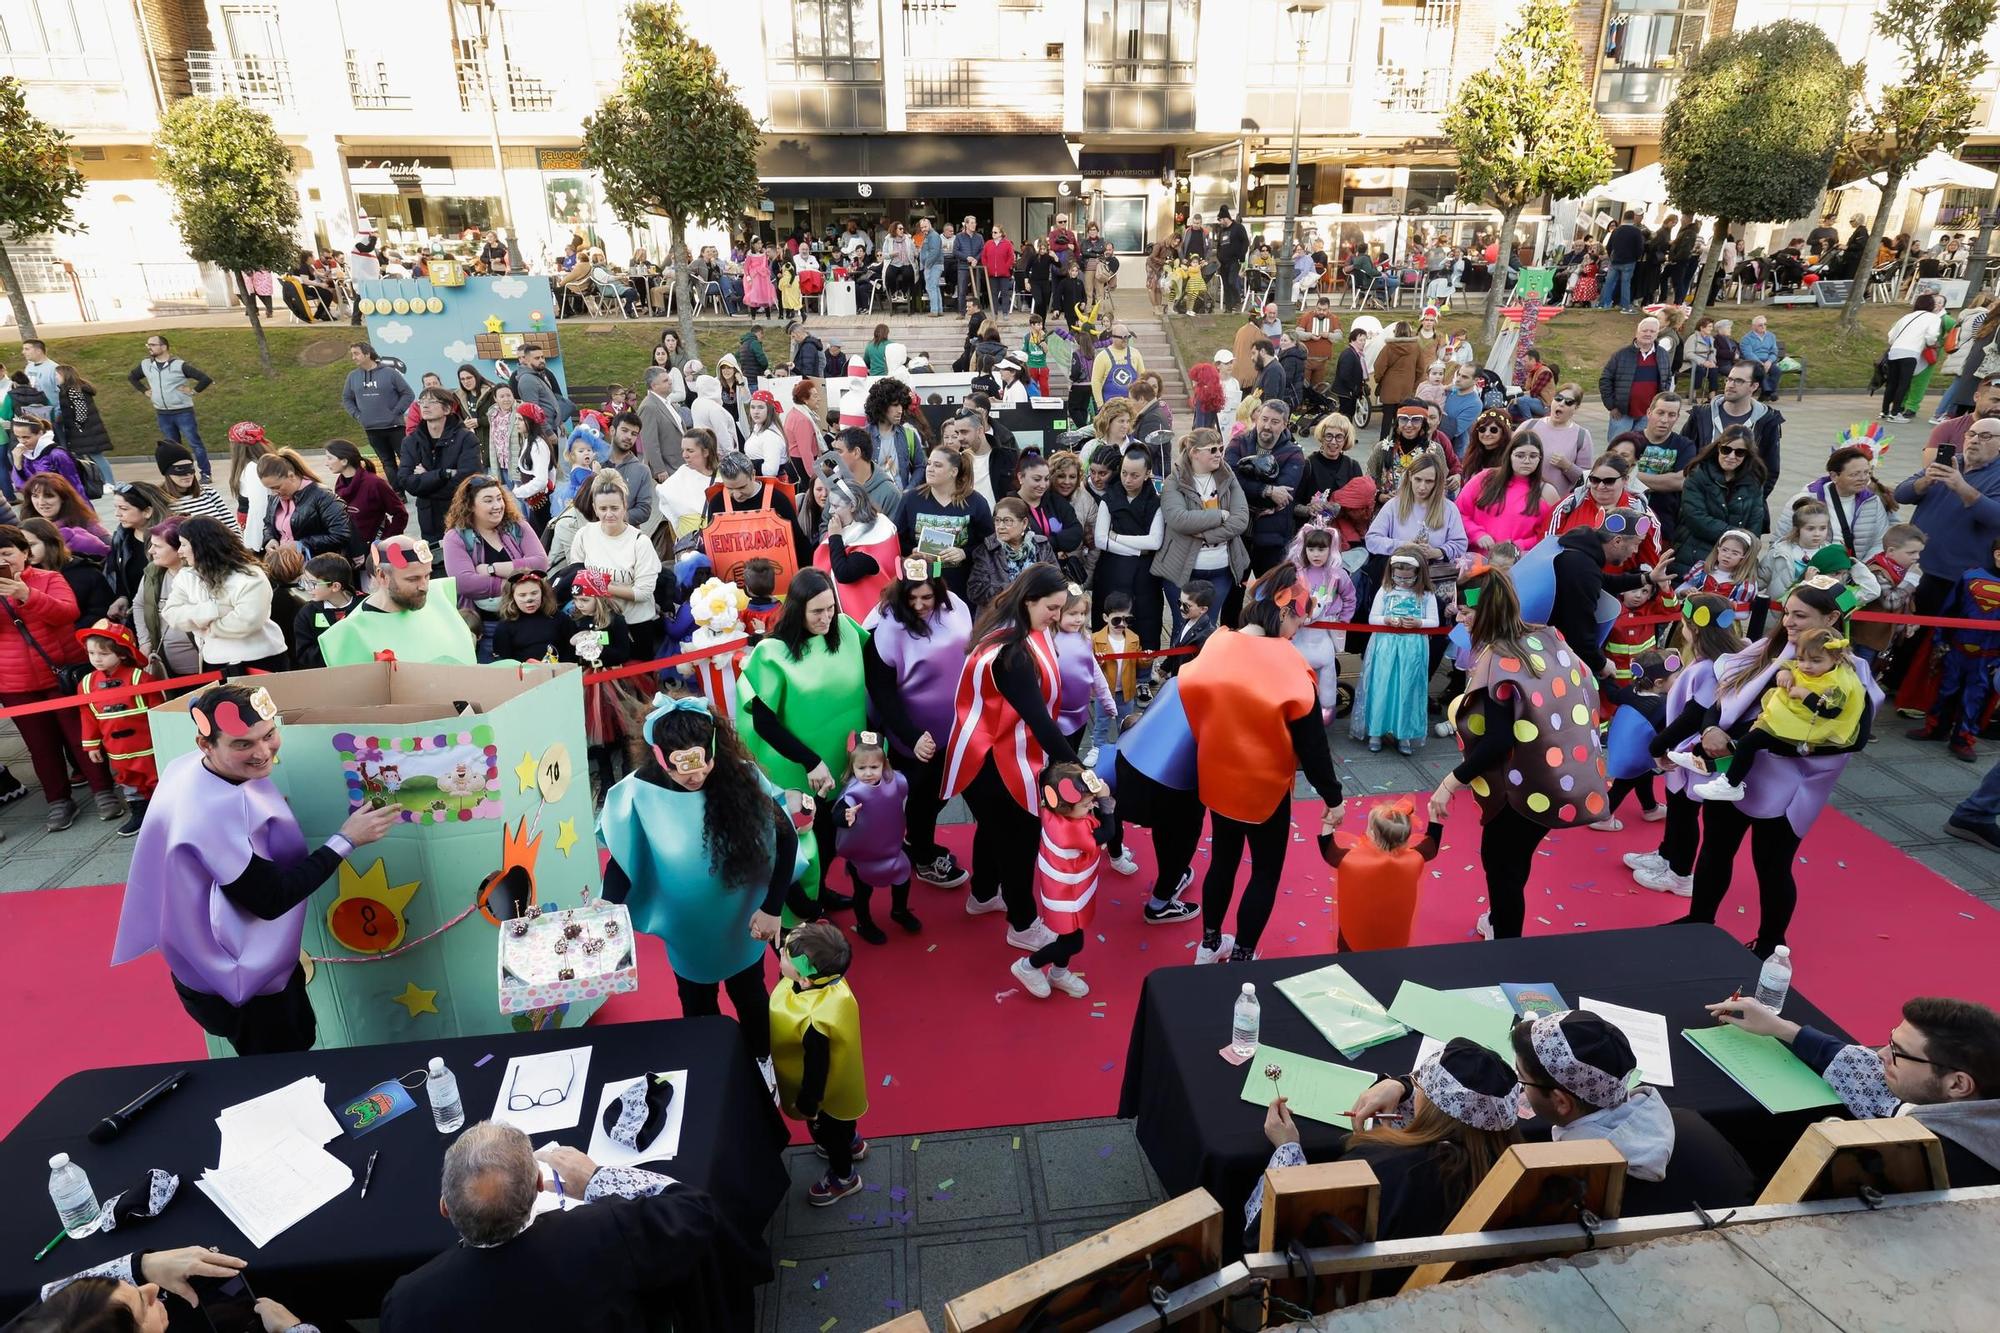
(1298, 1201)
(913, 1322)
(1837, 1159)
(1535, 1184)
(1102, 1276)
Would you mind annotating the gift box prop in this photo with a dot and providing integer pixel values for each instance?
(430, 325)
(566, 956)
(400, 943)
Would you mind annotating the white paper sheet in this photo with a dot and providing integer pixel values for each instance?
(289, 1180)
(531, 1078)
(250, 1128)
(607, 1151)
(1648, 1034)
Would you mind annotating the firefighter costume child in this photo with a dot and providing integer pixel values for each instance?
(119, 733)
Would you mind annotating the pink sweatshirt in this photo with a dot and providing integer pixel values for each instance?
(1509, 524)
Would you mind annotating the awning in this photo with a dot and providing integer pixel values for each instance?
(863, 166)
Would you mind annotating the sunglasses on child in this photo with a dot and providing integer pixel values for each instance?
(1119, 621)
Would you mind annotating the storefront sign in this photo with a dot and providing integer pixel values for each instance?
(407, 174)
(1121, 166)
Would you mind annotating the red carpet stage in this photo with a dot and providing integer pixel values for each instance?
(951, 1044)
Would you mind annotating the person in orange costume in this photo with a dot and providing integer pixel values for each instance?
(1253, 707)
(1378, 876)
(120, 733)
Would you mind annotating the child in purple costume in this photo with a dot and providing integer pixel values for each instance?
(870, 836)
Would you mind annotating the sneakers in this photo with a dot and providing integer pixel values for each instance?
(11, 789)
(1036, 936)
(61, 815)
(1171, 911)
(1690, 760)
(1088, 758)
(1608, 824)
(1655, 815)
(1664, 880)
(1444, 729)
(907, 919)
(1964, 751)
(1652, 861)
(1986, 832)
(1204, 955)
(1483, 927)
(1242, 953)
(1033, 980)
(832, 900)
(1069, 983)
(1123, 862)
(1717, 788)
(1927, 732)
(980, 907)
(826, 1190)
(859, 1151)
(945, 872)
(135, 816)
(110, 805)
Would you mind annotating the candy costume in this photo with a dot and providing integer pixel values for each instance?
(1081, 679)
(860, 598)
(1375, 890)
(1395, 672)
(986, 724)
(1066, 870)
(122, 730)
(819, 698)
(434, 633)
(1241, 695)
(828, 1010)
(927, 668)
(200, 834)
(873, 844)
(1554, 773)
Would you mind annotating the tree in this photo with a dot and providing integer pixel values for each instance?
(38, 187)
(234, 198)
(1525, 127)
(673, 141)
(1941, 50)
(1716, 144)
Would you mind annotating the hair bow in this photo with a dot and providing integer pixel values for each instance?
(1835, 645)
(1402, 805)
(860, 738)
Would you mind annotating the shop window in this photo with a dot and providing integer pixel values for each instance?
(1121, 220)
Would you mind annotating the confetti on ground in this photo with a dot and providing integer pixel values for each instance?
(932, 949)
(819, 1283)
(1579, 924)
(852, 1217)
(1095, 1014)
(872, 1189)
(1105, 1151)
(947, 1182)
(1100, 938)
(480, 1063)
(1097, 1004)
(1107, 1066)
(892, 1305)
(1967, 915)
(1017, 1143)
(788, 1263)
(915, 1141)
(942, 1196)
(1142, 946)
(1545, 921)
(831, 1320)
(899, 1194)
(1001, 995)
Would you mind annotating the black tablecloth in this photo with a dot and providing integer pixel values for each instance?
(1198, 1131)
(340, 1260)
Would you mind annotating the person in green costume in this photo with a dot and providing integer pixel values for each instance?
(1920, 383)
(414, 618)
(703, 854)
(804, 693)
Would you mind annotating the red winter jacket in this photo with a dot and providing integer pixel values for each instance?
(49, 611)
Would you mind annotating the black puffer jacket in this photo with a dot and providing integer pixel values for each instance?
(319, 522)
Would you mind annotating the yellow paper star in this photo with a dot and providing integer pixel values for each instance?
(525, 771)
(494, 323)
(565, 836)
(416, 999)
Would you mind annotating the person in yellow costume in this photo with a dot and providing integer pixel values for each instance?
(816, 1048)
(1813, 707)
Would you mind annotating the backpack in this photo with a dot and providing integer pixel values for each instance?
(91, 473)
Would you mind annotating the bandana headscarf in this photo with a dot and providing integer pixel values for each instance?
(1472, 1085)
(1586, 1055)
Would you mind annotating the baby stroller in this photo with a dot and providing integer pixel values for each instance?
(1203, 287)
(1314, 403)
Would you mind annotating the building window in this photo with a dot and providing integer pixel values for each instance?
(1138, 71)
(1329, 55)
(824, 62)
(1647, 43)
(1413, 50)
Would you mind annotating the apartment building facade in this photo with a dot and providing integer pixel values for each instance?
(433, 116)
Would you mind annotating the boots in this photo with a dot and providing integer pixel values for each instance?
(136, 815)
(864, 921)
(899, 909)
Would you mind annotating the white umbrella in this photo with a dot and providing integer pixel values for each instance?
(1647, 186)
(1938, 171)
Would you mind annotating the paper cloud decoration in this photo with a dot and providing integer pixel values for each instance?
(510, 288)
(460, 350)
(394, 333)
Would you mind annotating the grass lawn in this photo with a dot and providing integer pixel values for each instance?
(1580, 340)
(299, 404)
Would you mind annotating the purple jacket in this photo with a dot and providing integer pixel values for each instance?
(1078, 664)
(463, 554)
(1781, 784)
(53, 458)
(927, 669)
(873, 846)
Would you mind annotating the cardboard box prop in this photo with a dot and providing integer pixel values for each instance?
(401, 941)
(561, 957)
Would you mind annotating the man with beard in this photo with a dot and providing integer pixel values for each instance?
(402, 616)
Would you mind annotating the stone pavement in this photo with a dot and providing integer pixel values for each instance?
(1008, 1204)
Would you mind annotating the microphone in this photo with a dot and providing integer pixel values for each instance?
(114, 1124)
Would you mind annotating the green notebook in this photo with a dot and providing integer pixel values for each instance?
(1444, 1015)
(1765, 1067)
(1342, 1009)
(1314, 1089)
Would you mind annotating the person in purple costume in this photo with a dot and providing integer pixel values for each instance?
(1783, 797)
(870, 837)
(913, 659)
(220, 876)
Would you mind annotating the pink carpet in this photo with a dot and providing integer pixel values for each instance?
(958, 1051)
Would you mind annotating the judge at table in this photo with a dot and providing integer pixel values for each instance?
(220, 876)
(647, 1253)
(404, 615)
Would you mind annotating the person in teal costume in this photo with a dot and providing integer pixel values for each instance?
(804, 691)
(703, 854)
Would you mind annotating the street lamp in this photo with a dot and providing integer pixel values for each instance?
(1300, 14)
(493, 109)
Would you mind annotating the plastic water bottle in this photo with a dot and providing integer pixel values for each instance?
(1774, 983)
(75, 1200)
(442, 1087)
(1243, 1028)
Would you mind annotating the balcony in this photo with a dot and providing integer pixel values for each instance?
(368, 85)
(524, 92)
(1406, 90)
(258, 80)
(984, 85)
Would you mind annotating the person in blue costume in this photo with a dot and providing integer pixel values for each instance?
(703, 853)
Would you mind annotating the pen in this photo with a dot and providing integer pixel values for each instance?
(368, 1172)
(44, 1252)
